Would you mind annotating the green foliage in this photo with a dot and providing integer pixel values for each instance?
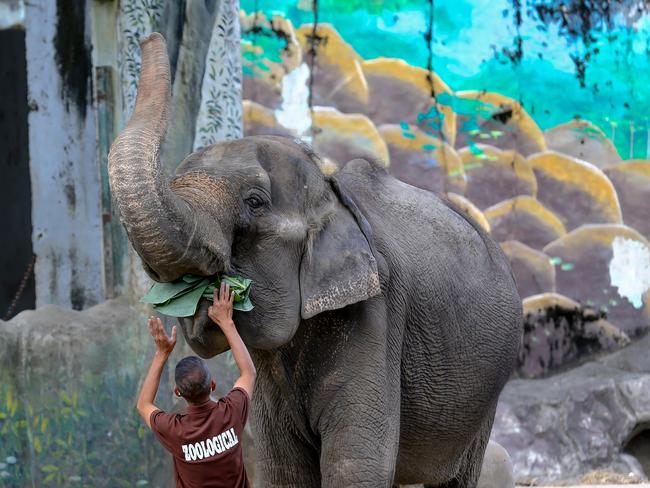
(88, 435)
(181, 297)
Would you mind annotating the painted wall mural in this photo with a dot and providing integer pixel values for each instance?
(529, 116)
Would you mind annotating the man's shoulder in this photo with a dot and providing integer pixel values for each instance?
(237, 392)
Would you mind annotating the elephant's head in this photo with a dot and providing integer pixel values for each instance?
(258, 206)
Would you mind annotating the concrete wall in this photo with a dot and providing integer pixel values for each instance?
(66, 216)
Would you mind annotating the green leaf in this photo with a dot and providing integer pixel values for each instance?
(184, 305)
(188, 278)
(244, 306)
(63, 395)
(181, 297)
(38, 447)
(162, 292)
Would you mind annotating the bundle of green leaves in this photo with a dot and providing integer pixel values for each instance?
(181, 297)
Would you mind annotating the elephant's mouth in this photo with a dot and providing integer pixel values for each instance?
(202, 334)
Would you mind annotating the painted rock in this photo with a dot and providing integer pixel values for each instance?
(342, 137)
(559, 332)
(583, 140)
(269, 45)
(259, 120)
(401, 93)
(469, 208)
(491, 118)
(632, 182)
(575, 190)
(494, 175)
(270, 50)
(533, 270)
(526, 220)
(606, 267)
(497, 469)
(336, 76)
(262, 91)
(421, 160)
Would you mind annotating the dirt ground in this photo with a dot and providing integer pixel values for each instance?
(595, 478)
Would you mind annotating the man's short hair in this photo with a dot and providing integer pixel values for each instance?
(192, 378)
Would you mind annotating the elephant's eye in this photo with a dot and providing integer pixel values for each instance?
(254, 201)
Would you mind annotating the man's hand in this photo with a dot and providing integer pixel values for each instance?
(164, 346)
(221, 313)
(221, 310)
(164, 343)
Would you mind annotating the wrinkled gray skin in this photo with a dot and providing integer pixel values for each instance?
(385, 322)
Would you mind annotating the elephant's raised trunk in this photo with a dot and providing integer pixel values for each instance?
(172, 233)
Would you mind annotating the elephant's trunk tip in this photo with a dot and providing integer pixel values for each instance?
(153, 37)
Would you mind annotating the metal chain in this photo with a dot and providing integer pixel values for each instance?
(21, 288)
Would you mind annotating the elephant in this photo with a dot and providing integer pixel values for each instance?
(386, 321)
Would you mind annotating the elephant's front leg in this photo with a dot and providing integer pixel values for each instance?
(360, 439)
(284, 458)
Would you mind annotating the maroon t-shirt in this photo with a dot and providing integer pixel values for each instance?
(205, 441)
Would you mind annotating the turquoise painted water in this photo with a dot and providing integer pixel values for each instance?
(558, 72)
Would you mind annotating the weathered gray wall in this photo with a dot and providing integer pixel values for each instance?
(66, 216)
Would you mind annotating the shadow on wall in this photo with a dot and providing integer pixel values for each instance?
(638, 446)
(16, 281)
(568, 213)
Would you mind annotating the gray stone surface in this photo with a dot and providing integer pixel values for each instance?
(497, 471)
(54, 340)
(564, 426)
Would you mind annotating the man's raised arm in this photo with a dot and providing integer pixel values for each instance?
(221, 313)
(164, 347)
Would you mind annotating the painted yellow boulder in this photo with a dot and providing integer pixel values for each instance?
(560, 332)
(491, 118)
(401, 93)
(259, 121)
(494, 175)
(526, 220)
(533, 270)
(342, 137)
(336, 78)
(606, 267)
(632, 182)
(423, 161)
(575, 190)
(469, 208)
(264, 62)
(583, 140)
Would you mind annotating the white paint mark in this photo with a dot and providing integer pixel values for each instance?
(629, 269)
(294, 112)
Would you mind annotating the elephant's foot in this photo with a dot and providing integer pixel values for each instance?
(496, 472)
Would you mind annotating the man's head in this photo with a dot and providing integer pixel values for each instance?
(193, 380)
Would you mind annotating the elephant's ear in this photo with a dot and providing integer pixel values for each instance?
(340, 268)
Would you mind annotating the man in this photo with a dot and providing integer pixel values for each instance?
(204, 439)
